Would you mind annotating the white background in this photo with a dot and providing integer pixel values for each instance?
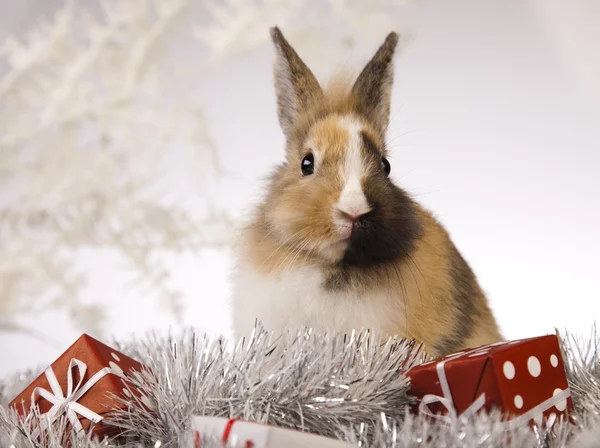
(495, 127)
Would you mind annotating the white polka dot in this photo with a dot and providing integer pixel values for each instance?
(562, 404)
(534, 366)
(114, 355)
(126, 392)
(518, 401)
(509, 370)
(553, 360)
(115, 367)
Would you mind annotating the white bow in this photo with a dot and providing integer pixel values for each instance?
(446, 400)
(68, 404)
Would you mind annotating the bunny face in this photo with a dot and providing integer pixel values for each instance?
(333, 196)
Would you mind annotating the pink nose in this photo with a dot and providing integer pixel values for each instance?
(350, 215)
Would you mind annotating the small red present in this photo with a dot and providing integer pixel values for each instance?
(525, 379)
(83, 385)
(236, 432)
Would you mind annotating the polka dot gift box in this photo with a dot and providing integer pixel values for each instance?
(81, 386)
(525, 379)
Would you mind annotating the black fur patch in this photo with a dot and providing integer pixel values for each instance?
(387, 234)
(466, 312)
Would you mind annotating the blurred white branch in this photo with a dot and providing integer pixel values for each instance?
(239, 26)
(84, 136)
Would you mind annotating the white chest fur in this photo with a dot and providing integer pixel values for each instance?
(297, 298)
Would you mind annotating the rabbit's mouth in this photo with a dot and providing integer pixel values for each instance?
(335, 250)
(385, 234)
(363, 246)
(366, 248)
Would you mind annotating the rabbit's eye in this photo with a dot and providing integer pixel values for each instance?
(385, 166)
(308, 165)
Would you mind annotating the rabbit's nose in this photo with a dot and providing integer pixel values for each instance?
(351, 215)
(352, 203)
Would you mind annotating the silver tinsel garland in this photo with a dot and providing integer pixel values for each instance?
(343, 387)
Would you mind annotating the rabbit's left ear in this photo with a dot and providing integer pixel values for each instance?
(373, 88)
(295, 85)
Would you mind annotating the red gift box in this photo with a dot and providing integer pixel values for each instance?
(525, 379)
(255, 435)
(83, 385)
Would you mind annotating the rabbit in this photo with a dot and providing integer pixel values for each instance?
(336, 245)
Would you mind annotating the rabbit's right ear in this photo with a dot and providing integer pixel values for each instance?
(296, 87)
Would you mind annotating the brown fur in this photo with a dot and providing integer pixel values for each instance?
(439, 301)
(424, 285)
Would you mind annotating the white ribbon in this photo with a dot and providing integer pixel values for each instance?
(67, 404)
(447, 401)
(536, 410)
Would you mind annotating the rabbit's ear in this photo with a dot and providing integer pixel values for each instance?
(295, 85)
(373, 88)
